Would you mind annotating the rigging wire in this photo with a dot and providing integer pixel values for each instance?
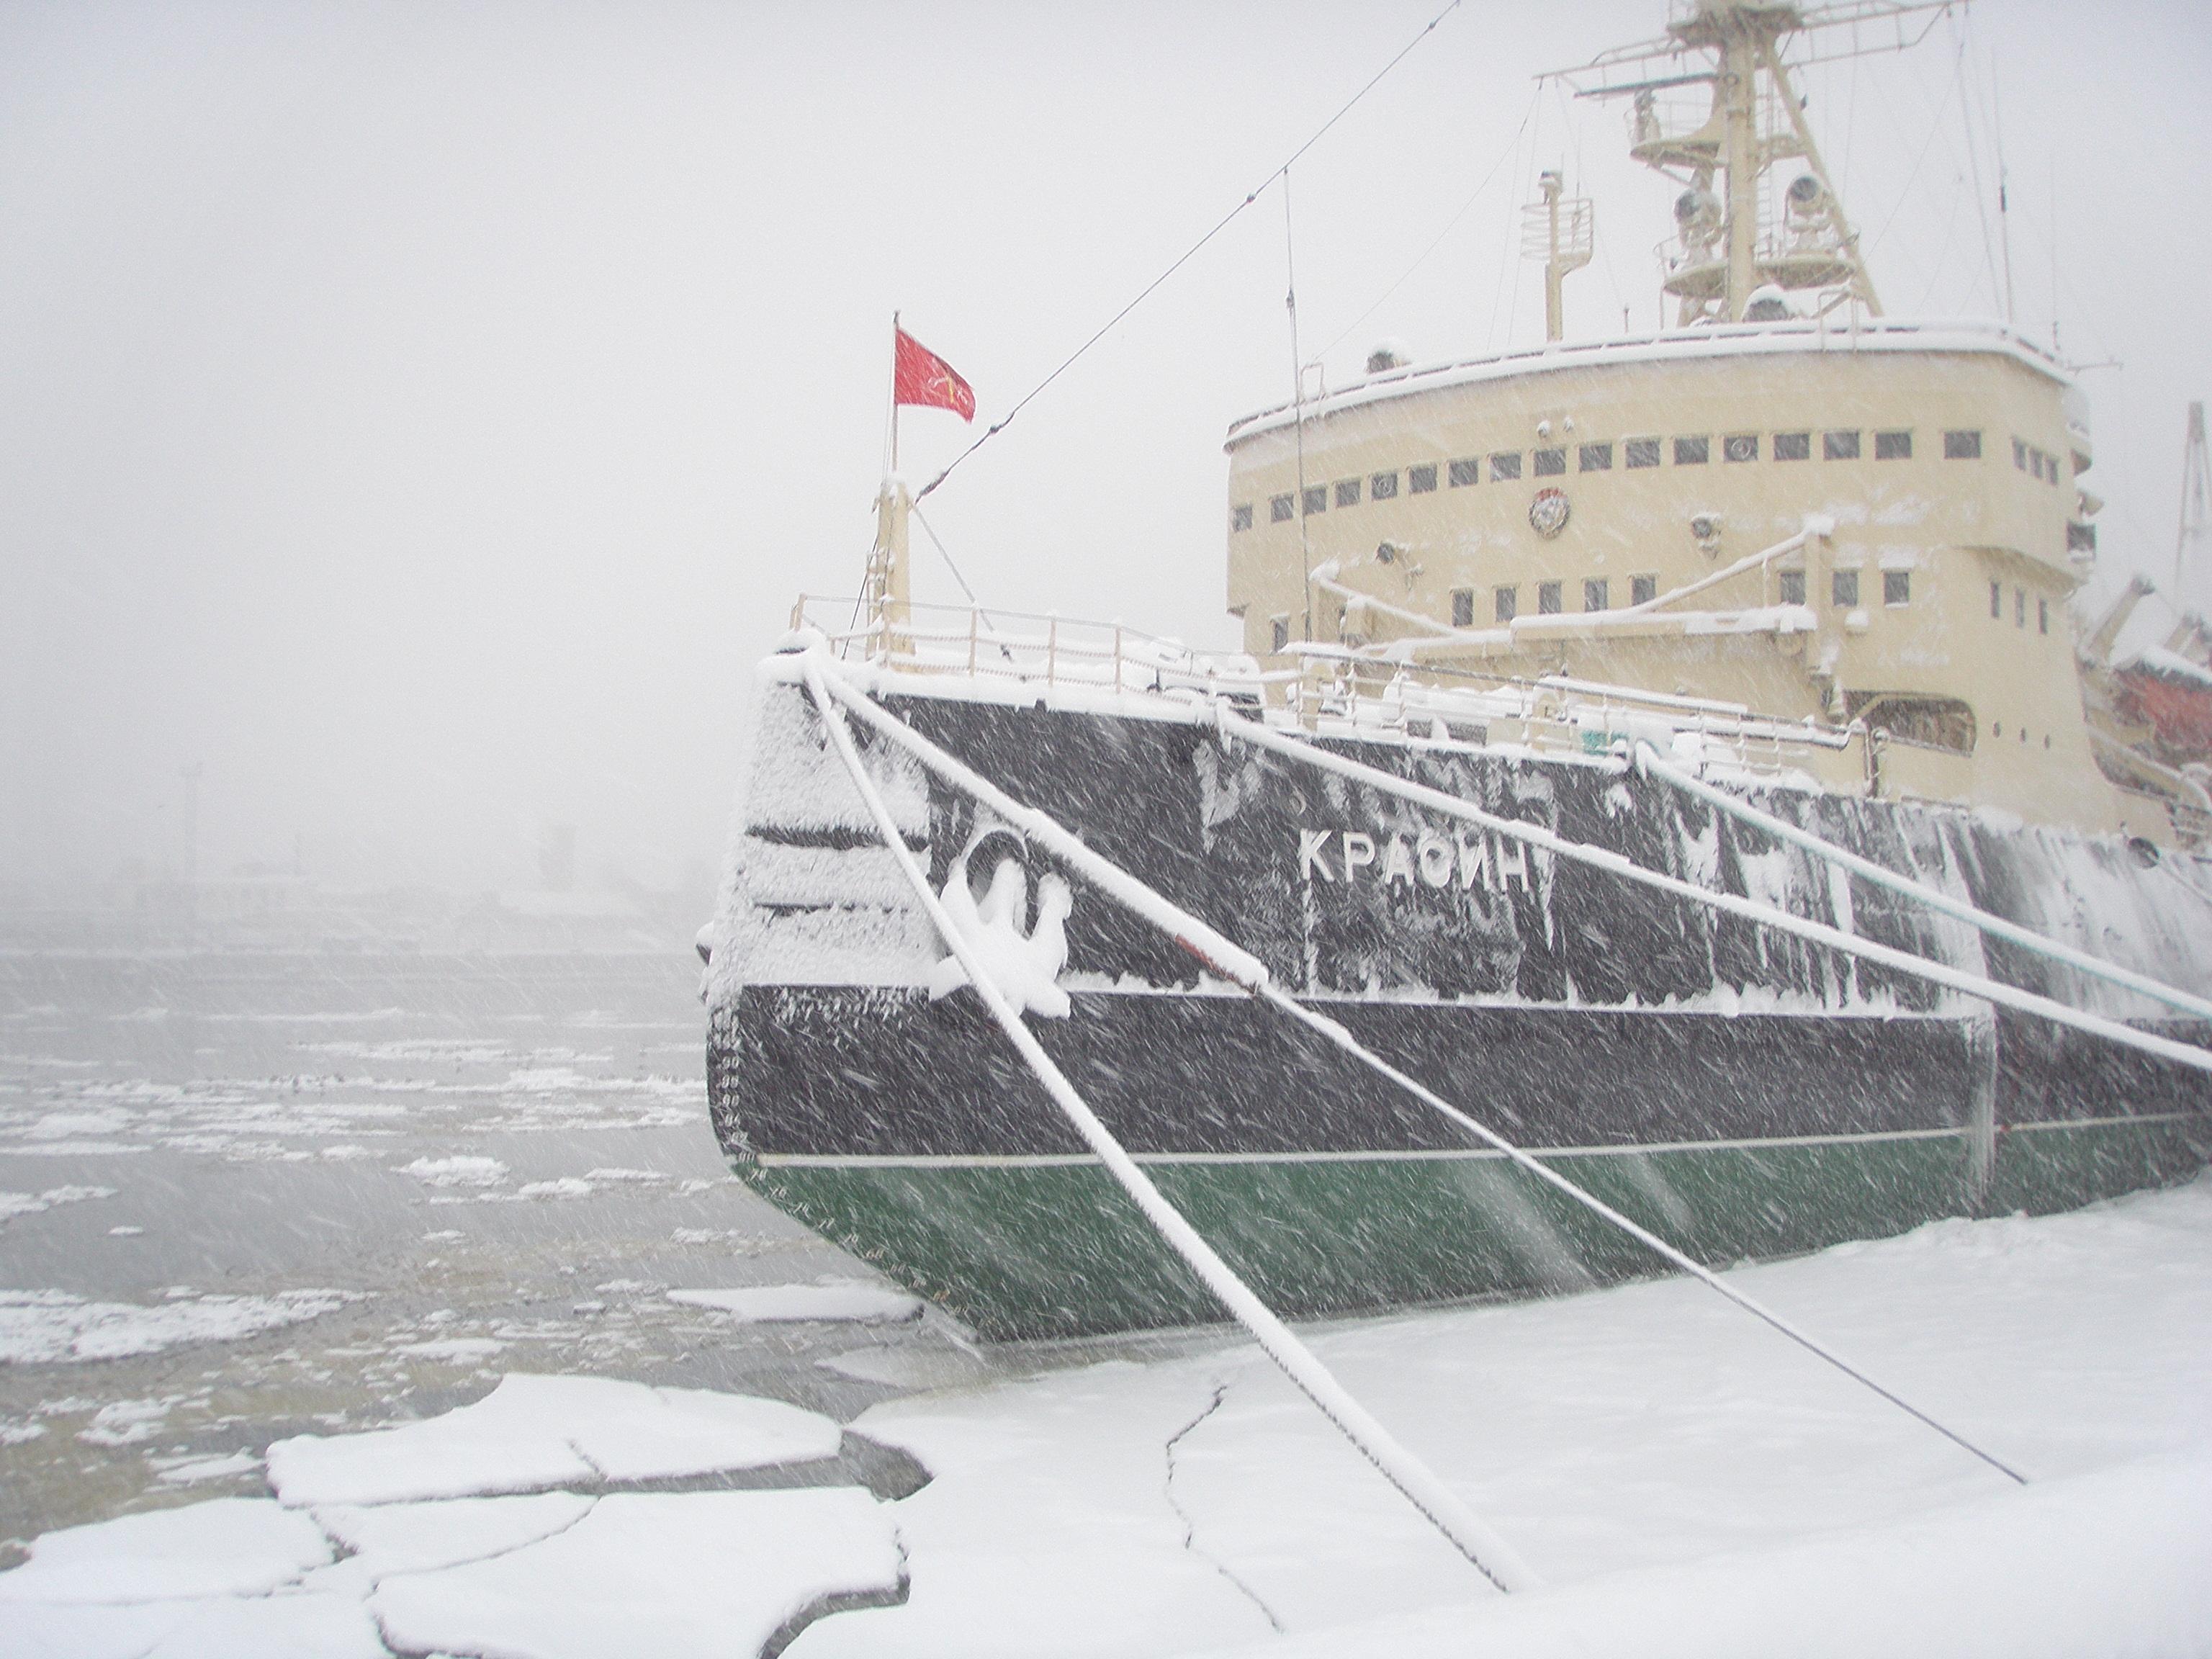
(1191, 252)
(1465, 208)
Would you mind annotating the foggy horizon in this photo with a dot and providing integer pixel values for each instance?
(420, 421)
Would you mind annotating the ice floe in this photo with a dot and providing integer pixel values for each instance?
(45, 1326)
(533, 1433)
(14, 1204)
(225, 1547)
(784, 1303)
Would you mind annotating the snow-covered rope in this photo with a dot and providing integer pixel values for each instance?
(1495, 1559)
(1650, 760)
(1247, 971)
(1599, 857)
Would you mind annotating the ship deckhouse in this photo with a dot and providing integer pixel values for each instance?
(1789, 505)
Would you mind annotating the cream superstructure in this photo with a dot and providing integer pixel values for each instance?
(1790, 504)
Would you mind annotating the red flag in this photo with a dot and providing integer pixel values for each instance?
(922, 377)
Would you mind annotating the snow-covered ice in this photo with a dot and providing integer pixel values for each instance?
(705, 1573)
(1686, 1482)
(533, 1433)
(42, 1327)
(839, 1300)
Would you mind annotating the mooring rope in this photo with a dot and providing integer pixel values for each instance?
(1248, 972)
(1491, 1556)
(1599, 857)
(1648, 759)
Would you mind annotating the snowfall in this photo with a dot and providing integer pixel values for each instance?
(1682, 1480)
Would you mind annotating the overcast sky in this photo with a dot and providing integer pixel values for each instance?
(421, 416)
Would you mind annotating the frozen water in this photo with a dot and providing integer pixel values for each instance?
(699, 1573)
(41, 1326)
(226, 1546)
(535, 1432)
(783, 1304)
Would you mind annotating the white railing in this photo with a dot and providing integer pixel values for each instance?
(1327, 690)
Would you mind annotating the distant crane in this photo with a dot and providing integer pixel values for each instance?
(2191, 577)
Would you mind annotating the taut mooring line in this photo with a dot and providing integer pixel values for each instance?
(1491, 1555)
(1242, 968)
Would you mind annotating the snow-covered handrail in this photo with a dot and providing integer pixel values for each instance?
(1251, 975)
(1491, 1556)
(1598, 857)
(1650, 760)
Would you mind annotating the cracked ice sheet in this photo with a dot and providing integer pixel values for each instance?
(1616, 1438)
(671, 1575)
(531, 1433)
(226, 1546)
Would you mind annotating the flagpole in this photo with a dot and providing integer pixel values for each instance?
(895, 334)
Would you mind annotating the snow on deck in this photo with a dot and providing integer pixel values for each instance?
(1686, 1482)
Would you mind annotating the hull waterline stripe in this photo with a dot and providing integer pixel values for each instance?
(1490, 1554)
(1648, 759)
(1195, 935)
(1440, 1155)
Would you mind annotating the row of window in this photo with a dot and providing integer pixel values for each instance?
(2019, 608)
(1597, 595)
(1634, 454)
(2028, 458)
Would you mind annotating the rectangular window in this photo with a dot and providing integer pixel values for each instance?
(1595, 458)
(1240, 517)
(1316, 499)
(2042, 616)
(1282, 634)
(1843, 587)
(1793, 446)
(1348, 492)
(1279, 509)
(1465, 472)
(1793, 588)
(1505, 466)
(1643, 451)
(1962, 446)
(1692, 452)
(1741, 447)
(2019, 607)
(1547, 598)
(1839, 446)
(1997, 601)
(1896, 588)
(1550, 463)
(1642, 590)
(1421, 480)
(1462, 607)
(1507, 601)
(2020, 454)
(2081, 539)
(1892, 446)
(2051, 468)
(1593, 597)
(2035, 461)
(1383, 487)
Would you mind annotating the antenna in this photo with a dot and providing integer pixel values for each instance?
(1557, 230)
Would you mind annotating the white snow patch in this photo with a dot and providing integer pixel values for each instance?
(44, 1327)
(461, 1172)
(195, 1470)
(226, 1546)
(531, 1433)
(394, 1538)
(696, 1573)
(784, 1303)
(14, 1204)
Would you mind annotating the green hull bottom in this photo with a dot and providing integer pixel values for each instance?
(1040, 1249)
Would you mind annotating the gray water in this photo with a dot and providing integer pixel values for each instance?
(209, 1125)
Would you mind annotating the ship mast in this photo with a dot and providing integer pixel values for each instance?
(2192, 579)
(1724, 259)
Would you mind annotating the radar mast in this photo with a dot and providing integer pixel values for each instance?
(1729, 261)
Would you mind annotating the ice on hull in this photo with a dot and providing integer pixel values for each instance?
(1739, 1092)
